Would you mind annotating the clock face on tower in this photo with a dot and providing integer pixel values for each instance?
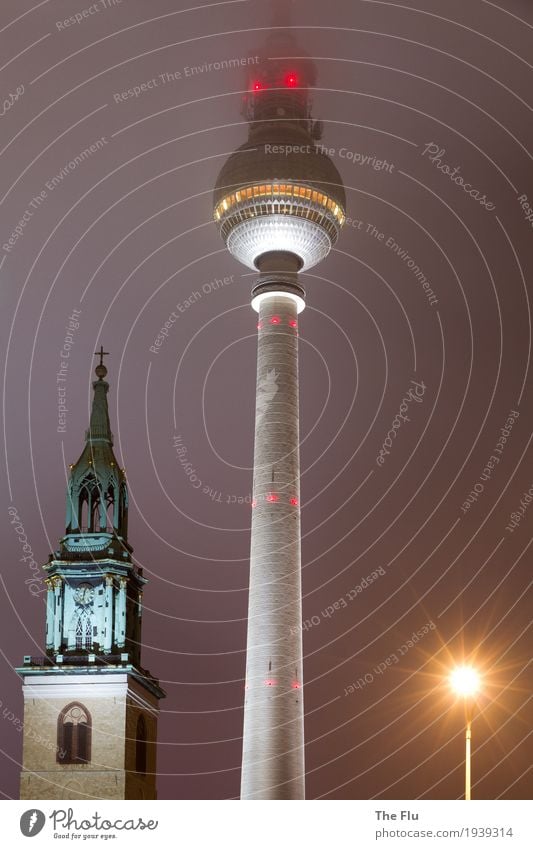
(84, 594)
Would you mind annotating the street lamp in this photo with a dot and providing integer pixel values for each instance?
(464, 681)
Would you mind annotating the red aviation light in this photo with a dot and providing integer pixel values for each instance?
(275, 319)
(291, 80)
(293, 501)
(293, 322)
(259, 325)
(296, 685)
(272, 496)
(254, 502)
(270, 682)
(257, 85)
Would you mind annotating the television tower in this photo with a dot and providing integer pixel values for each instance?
(279, 204)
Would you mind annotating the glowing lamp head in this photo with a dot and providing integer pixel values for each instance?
(257, 85)
(465, 681)
(291, 80)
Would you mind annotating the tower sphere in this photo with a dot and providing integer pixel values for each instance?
(279, 192)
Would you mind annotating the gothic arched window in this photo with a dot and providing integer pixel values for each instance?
(74, 735)
(83, 510)
(95, 523)
(123, 511)
(141, 746)
(110, 508)
(84, 639)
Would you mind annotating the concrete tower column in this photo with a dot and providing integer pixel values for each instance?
(273, 739)
(280, 215)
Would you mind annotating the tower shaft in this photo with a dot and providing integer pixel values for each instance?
(279, 213)
(273, 739)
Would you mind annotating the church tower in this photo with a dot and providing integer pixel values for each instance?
(90, 709)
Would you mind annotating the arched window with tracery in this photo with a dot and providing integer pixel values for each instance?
(84, 638)
(141, 747)
(74, 728)
(83, 510)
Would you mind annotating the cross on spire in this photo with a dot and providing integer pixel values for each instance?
(101, 353)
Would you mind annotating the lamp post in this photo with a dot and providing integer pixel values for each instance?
(464, 681)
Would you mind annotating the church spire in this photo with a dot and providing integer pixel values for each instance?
(99, 427)
(93, 703)
(97, 498)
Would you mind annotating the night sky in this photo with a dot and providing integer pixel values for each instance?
(415, 356)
